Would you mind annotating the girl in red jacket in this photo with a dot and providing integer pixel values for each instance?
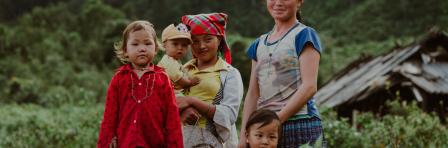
(140, 107)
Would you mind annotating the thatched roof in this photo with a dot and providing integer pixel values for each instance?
(424, 64)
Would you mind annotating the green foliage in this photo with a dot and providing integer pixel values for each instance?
(248, 18)
(54, 56)
(76, 126)
(357, 21)
(406, 126)
(57, 59)
(238, 44)
(30, 126)
(11, 9)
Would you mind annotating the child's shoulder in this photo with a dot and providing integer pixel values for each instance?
(127, 68)
(160, 71)
(123, 68)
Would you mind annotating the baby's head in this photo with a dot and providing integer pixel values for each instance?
(176, 40)
(263, 129)
(138, 45)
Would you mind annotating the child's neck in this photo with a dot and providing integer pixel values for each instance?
(206, 64)
(174, 58)
(139, 69)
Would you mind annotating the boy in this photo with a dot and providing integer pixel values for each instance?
(176, 40)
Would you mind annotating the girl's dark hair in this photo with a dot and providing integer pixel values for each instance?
(263, 116)
(299, 16)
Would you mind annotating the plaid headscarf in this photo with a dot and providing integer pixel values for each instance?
(214, 24)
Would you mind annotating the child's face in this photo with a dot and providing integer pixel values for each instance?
(176, 48)
(140, 48)
(263, 137)
(205, 47)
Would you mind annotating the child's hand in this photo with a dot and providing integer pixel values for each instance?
(189, 116)
(113, 143)
(194, 81)
(182, 102)
(242, 144)
(186, 82)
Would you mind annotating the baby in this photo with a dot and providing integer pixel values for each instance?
(176, 40)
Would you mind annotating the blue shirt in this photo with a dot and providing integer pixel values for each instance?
(278, 68)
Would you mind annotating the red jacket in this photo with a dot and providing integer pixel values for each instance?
(151, 121)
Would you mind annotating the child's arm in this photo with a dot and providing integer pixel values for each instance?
(110, 120)
(173, 134)
(250, 103)
(189, 116)
(186, 82)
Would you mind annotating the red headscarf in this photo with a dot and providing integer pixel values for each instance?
(214, 24)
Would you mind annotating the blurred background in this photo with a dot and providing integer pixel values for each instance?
(56, 60)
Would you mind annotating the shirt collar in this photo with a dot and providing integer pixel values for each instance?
(128, 68)
(220, 65)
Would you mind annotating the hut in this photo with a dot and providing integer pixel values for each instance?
(417, 72)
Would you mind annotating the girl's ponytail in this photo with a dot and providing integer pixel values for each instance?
(299, 16)
(299, 11)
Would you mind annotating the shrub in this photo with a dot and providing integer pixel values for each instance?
(414, 129)
(35, 126)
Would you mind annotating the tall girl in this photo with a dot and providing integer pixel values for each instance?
(283, 79)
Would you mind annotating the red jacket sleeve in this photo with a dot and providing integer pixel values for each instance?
(173, 132)
(109, 124)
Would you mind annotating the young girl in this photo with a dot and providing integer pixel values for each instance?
(263, 129)
(140, 105)
(218, 97)
(283, 79)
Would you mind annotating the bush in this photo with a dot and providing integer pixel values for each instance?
(57, 54)
(414, 129)
(35, 126)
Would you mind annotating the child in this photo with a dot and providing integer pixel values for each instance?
(263, 129)
(140, 105)
(218, 97)
(176, 40)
